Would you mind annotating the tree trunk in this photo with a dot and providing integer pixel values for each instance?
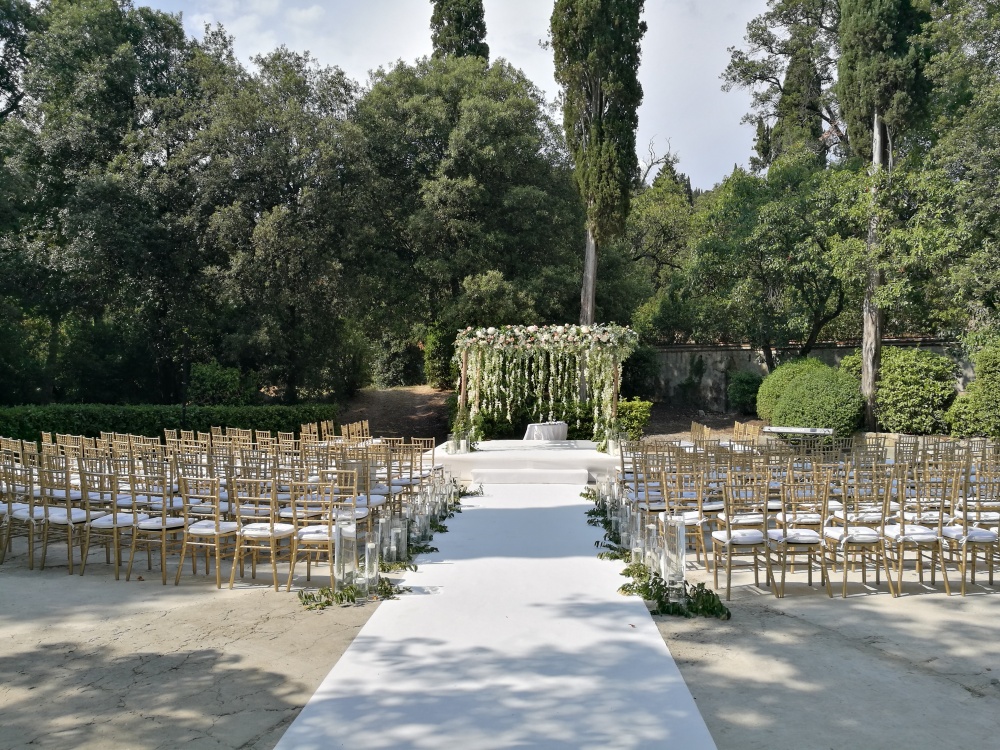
(871, 314)
(768, 353)
(51, 359)
(589, 280)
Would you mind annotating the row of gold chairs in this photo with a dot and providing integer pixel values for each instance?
(213, 495)
(946, 510)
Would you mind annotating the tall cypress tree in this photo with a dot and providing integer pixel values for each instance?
(458, 29)
(882, 92)
(799, 117)
(596, 46)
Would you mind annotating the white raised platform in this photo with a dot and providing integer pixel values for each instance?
(530, 462)
(514, 637)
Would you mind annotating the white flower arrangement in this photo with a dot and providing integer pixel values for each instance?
(540, 367)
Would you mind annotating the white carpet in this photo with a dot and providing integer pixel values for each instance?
(514, 636)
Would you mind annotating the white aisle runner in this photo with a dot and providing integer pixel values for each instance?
(514, 636)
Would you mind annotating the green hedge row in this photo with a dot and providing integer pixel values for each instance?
(28, 422)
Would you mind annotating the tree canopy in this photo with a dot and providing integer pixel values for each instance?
(458, 28)
(596, 47)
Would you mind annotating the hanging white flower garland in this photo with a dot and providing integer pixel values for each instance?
(538, 368)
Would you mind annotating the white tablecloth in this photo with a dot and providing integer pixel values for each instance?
(546, 431)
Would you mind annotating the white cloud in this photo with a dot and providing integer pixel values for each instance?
(684, 52)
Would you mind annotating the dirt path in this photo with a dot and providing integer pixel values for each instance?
(416, 411)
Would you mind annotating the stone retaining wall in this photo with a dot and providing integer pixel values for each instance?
(697, 375)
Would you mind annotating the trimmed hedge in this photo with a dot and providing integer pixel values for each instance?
(976, 413)
(822, 397)
(742, 391)
(28, 422)
(775, 384)
(915, 388)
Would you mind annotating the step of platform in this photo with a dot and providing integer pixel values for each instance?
(530, 476)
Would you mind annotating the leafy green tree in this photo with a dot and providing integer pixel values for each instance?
(459, 174)
(596, 46)
(763, 266)
(88, 65)
(279, 226)
(882, 91)
(17, 19)
(458, 28)
(789, 65)
(963, 165)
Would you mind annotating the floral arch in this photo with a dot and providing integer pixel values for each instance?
(541, 369)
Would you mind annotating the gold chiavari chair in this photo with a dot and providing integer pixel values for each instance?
(268, 534)
(798, 527)
(743, 532)
(163, 529)
(975, 518)
(209, 525)
(330, 503)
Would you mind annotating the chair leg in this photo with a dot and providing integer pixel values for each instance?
(180, 564)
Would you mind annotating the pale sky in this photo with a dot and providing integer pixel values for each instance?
(683, 54)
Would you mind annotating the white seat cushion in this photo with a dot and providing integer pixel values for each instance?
(744, 519)
(740, 536)
(852, 534)
(314, 534)
(266, 531)
(973, 534)
(910, 533)
(207, 528)
(860, 517)
(25, 512)
(928, 517)
(801, 518)
(375, 501)
(118, 520)
(794, 536)
(76, 515)
(158, 524)
(74, 495)
(173, 503)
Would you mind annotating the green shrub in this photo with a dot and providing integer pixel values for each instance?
(396, 361)
(775, 384)
(976, 413)
(821, 397)
(28, 422)
(851, 364)
(915, 388)
(213, 384)
(968, 416)
(439, 370)
(742, 391)
(633, 416)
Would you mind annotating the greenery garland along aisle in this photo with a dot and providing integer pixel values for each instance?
(537, 369)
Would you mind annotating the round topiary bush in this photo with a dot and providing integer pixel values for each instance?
(742, 391)
(915, 388)
(775, 384)
(821, 397)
